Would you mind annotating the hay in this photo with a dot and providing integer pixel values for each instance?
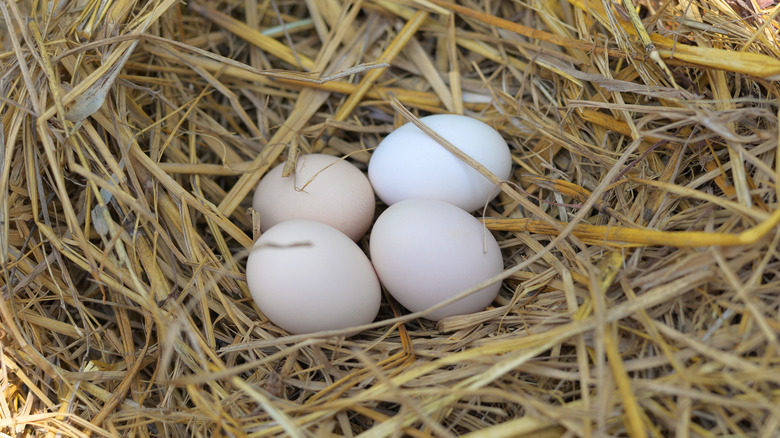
(640, 227)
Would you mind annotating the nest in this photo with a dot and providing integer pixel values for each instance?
(640, 226)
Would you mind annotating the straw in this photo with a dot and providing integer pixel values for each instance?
(639, 226)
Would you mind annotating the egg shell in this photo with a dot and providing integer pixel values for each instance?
(306, 277)
(409, 164)
(323, 188)
(427, 251)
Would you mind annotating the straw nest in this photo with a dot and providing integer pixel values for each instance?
(640, 227)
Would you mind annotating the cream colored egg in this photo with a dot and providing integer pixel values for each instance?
(323, 188)
(307, 277)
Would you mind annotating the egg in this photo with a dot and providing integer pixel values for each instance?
(306, 276)
(323, 188)
(409, 164)
(427, 251)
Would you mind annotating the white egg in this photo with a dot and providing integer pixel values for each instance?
(427, 251)
(306, 277)
(409, 164)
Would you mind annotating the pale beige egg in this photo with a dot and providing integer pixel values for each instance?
(323, 188)
(306, 277)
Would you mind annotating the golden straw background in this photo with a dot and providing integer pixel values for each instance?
(639, 228)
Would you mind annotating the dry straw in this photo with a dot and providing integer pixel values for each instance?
(640, 226)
